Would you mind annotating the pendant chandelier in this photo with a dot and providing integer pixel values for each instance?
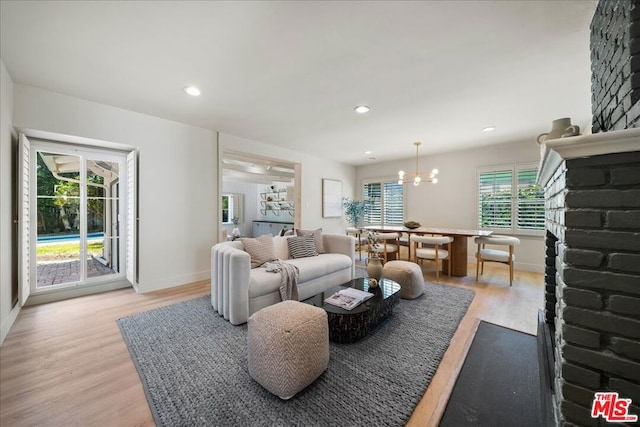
(418, 177)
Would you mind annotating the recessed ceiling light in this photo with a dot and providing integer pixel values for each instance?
(361, 109)
(489, 129)
(367, 152)
(192, 90)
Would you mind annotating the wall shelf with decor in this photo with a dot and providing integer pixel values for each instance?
(276, 202)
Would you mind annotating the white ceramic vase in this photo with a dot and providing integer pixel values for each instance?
(374, 268)
(559, 128)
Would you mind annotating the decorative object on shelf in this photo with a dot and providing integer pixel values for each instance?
(573, 130)
(560, 128)
(236, 231)
(412, 224)
(417, 177)
(331, 198)
(355, 210)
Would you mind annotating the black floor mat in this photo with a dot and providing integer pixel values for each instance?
(499, 383)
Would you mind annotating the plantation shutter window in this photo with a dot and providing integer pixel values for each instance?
(495, 193)
(530, 201)
(393, 204)
(373, 193)
(24, 220)
(386, 203)
(509, 200)
(132, 218)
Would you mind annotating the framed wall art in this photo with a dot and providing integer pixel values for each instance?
(331, 198)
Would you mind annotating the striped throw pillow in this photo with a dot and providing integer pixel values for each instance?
(260, 249)
(302, 246)
(317, 234)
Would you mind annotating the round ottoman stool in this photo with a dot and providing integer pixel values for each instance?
(408, 275)
(288, 346)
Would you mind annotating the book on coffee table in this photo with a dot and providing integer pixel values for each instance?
(348, 298)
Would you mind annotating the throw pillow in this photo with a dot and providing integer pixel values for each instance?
(317, 234)
(302, 246)
(260, 249)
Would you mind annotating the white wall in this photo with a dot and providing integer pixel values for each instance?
(8, 312)
(451, 203)
(313, 170)
(178, 188)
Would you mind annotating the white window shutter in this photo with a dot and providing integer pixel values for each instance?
(373, 193)
(495, 199)
(132, 218)
(24, 241)
(530, 201)
(393, 203)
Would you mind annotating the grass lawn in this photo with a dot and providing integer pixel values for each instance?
(71, 250)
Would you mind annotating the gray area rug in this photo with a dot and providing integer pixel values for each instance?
(193, 365)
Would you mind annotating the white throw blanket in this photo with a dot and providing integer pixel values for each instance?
(289, 278)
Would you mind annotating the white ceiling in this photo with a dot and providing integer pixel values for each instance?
(290, 73)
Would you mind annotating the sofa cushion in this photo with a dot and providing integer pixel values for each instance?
(281, 247)
(322, 265)
(302, 246)
(317, 235)
(262, 282)
(260, 249)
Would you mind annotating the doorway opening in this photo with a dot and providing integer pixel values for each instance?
(262, 193)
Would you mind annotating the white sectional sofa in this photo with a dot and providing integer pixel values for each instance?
(238, 291)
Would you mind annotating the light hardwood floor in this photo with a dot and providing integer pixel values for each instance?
(65, 363)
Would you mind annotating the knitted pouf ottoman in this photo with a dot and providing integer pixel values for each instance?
(288, 346)
(408, 275)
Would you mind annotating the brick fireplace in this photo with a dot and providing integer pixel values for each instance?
(592, 280)
(592, 193)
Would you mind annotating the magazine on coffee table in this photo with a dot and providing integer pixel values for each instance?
(348, 298)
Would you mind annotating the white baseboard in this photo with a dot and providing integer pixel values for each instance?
(170, 282)
(522, 266)
(8, 322)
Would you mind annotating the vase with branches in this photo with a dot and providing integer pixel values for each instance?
(374, 262)
(236, 231)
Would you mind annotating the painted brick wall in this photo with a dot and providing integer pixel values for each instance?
(615, 65)
(593, 209)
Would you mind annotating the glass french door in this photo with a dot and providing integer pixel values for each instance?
(80, 215)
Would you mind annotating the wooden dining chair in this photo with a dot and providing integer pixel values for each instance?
(433, 251)
(494, 255)
(361, 240)
(404, 240)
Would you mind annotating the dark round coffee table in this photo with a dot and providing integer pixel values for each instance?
(346, 326)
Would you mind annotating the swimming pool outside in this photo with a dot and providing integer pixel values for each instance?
(67, 237)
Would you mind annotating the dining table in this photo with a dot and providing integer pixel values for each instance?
(458, 256)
